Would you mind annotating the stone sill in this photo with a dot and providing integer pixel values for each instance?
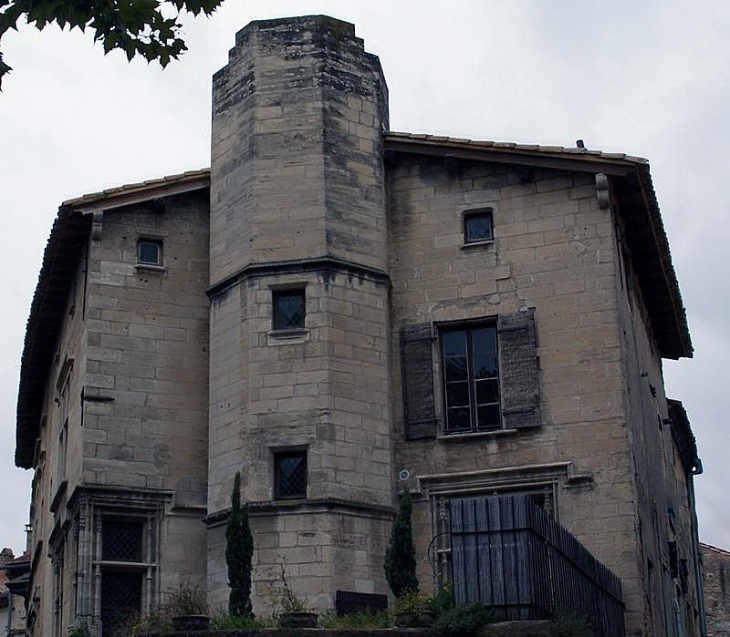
(149, 267)
(282, 337)
(476, 435)
(477, 244)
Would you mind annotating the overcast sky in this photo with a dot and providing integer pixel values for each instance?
(649, 78)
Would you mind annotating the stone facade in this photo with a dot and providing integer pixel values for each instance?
(468, 319)
(716, 588)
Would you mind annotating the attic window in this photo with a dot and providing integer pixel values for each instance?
(478, 226)
(149, 252)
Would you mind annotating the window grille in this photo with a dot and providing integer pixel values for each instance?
(122, 540)
(290, 475)
(121, 597)
(288, 309)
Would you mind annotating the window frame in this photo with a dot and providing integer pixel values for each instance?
(278, 293)
(160, 254)
(468, 215)
(469, 327)
(130, 520)
(283, 454)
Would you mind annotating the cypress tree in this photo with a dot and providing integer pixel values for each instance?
(400, 558)
(239, 553)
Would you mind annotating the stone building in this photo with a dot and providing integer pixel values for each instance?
(341, 312)
(12, 608)
(716, 588)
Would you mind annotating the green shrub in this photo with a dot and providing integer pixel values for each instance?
(400, 557)
(441, 601)
(79, 630)
(462, 620)
(356, 621)
(187, 600)
(570, 626)
(411, 602)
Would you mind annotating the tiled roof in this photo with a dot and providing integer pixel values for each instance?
(443, 142)
(68, 236)
(714, 549)
(21, 559)
(142, 187)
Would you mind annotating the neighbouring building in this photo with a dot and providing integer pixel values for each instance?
(341, 312)
(13, 571)
(716, 588)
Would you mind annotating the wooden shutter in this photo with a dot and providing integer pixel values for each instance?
(518, 374)
(417, 369)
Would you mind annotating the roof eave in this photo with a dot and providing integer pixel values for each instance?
(69, 232)
(667, 315)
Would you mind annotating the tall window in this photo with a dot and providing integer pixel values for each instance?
(64, 400)
(123, 571)
(471, 379)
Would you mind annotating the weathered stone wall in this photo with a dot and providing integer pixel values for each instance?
(148, 352)
(297, 194)
(296, 147)
(553, 251)
(716, 588)
(662, 511)
(322, 548)
(51, 470)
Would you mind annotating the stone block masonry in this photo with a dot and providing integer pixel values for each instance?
(297, 203)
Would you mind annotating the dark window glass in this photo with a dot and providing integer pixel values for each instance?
(478, 226)
(122, 540)
(149, 252)
(121, 599)
(290, 470)
(471, 379)
(288, 309)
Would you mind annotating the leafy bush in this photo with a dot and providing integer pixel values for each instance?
(79, 630)
(462, 620)
(441, 601)
(400, 557)
(570, 626)
(411, 602)
(187, 600)
(356, 621)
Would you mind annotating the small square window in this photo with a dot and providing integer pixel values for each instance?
(149, 252)
(478, 226)
(288, 309)
(290, 475)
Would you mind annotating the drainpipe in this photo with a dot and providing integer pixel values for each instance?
(696, 470)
